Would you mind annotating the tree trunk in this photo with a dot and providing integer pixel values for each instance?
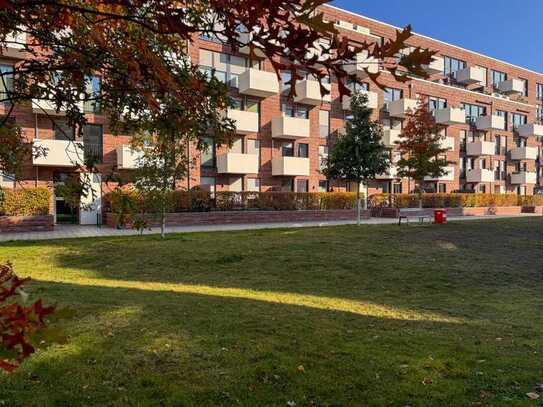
(163, 220)
(358, 203)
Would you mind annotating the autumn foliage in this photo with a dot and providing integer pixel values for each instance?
(19, 323)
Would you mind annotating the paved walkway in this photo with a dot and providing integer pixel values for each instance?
(76, 231)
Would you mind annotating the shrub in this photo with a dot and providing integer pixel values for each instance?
(338, 200)
(455, 200)
(25, 202)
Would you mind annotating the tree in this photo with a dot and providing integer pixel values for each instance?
(420, 147)
(136, 47)
(359, 154)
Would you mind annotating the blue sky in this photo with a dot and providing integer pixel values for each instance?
(510, 30)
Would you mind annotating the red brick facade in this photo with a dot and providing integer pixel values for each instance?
(36, 125)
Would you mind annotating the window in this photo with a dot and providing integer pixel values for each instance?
(462, 167)
(63, 131)
(525, 86)
(6, 83)
(207, 155)
(498, 77)
(253, 184)
(287, 185)
(323, 155)
(302, 185)
(303, 150)
(436, 104)
(245, 103)
(294, 110)
(355, 86)
(287, 149)
(93, 92)
(539, 114)
(518, 120)
(324, 123)
(473, 111)
(397, 188)
(208, 184)
(442, 188)
(463, 141)
(392, 94)
(92, 141)
(226, 68)
(253, 147)
(505, 116)
(323, 186)
(539, 91)
(482, 188)
(452, 65)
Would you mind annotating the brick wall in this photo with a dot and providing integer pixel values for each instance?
(26, 223)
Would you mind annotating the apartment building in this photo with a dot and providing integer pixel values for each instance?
(491, 112)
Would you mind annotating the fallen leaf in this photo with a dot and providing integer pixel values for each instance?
(301, 369)
(427, 381)
(532, 396)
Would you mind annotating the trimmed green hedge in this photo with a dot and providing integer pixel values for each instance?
(131, 201)
(24, 202)
(455, 200)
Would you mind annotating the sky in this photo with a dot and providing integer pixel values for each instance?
(509, 30)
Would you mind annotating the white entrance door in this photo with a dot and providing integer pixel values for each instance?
(91, 205)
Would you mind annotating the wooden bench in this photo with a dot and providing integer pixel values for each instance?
(413, 213)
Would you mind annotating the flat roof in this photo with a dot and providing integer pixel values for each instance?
(434, 39)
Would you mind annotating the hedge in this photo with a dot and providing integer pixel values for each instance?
(131, 201)
(454, 200)
(24, 202)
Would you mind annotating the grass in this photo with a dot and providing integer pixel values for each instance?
(344, 316)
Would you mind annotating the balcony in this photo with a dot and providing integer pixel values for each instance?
(58, 153)
(450, 115)
(481, 147)
(362, 65)
(471, 76)
(290, 166)
(258, 83)
(236, 163)
(373, 100)
(49, 107)
(436, 66)
(400, 108)
(246, 122)
(530, 130)
(128, 158)
(481, 175)
(524, 153)
(320, 51)
(290, 127)
(447, 143)
(511, 87)
(490, 122)
(448, 176)
(390, 136)
(523, 178)
(15, 45)
(246, 38)
(392, 173)
(308, 92)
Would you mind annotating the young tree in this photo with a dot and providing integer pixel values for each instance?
(359, 155)
(69, 42)
(422, 154)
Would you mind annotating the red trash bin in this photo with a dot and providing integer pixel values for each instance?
(440, 216)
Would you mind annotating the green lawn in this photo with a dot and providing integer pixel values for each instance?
(344, 316)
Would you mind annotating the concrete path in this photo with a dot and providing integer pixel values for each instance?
(76, 231)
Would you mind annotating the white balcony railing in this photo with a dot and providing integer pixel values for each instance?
(481, 147)
(49, 107)
(479, 175)
(57, 153)
(400, 108)
(391, 136)
(128, 158)
(391, 173)
(290, 127)
(258, 83)
(373, 100)
(523, 178)
(490, 122)
(362, 65)
(450, 115)
(511, 87)
(530, 130)
(308, 92)
(448, 176)
(436, 66)
(16, 40)
(246, 122)
(290, 166)
(447, 143)
(237, 163)
(524, 153)
(471, 75)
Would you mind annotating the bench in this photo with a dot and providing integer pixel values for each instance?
(413, 213)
